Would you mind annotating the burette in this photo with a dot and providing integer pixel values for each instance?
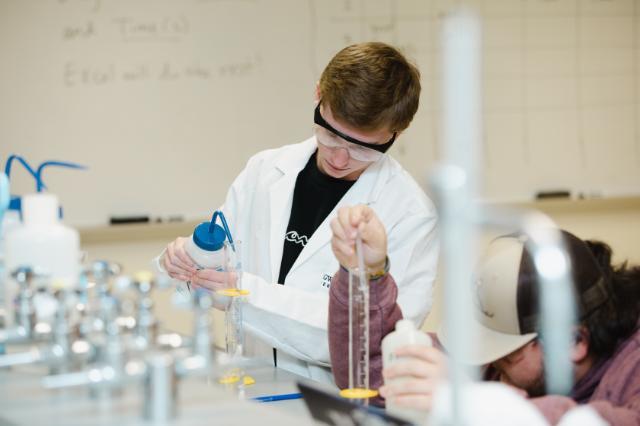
(359, 331)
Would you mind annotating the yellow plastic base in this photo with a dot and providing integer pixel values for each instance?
(229, 379)
(232, 292)
(358, 393)
(234, 378)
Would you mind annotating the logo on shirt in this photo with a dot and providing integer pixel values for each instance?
(295, 238)
(326, 280)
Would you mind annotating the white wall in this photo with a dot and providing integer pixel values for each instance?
(166, 100)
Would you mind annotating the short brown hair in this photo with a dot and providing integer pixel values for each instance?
(371, 85)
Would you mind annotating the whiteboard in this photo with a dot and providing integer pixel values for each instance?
(165, 100)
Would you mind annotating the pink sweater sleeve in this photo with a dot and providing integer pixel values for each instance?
(619, 416)
(383, 315)
(617, 396)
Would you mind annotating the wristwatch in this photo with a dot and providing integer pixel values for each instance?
(380, 272)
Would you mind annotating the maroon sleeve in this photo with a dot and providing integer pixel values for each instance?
(617, 398)
(384, 312)
(628, 415)
(554, 407)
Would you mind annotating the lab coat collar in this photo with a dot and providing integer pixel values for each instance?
(296, 157)
(366, 190)
(281, 197)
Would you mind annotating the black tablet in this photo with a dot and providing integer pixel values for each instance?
(329, 408)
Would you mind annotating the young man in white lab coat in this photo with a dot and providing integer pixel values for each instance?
(281, 205)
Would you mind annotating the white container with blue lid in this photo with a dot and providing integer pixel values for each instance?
(205, 247)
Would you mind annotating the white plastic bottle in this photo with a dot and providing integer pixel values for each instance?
(42, 243)
(9, 219)
(5, 198)
(405, 334)
(205, 246)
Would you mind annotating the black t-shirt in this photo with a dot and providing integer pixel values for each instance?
(314, 197)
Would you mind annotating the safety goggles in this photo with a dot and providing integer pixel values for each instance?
(358, 150)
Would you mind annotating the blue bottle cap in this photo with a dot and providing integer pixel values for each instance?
(209, 240)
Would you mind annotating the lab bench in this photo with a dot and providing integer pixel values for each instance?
(24, 401)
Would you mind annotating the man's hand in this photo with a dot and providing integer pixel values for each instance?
(214, 280)
(412, 381)
(177, 262)
(346, 226)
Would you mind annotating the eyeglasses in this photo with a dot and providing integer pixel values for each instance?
(358, 150)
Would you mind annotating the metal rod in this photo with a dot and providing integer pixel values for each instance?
(456, 185)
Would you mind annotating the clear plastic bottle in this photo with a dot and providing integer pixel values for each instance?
(43, 243)
(405, 334)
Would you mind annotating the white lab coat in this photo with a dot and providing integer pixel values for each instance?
(293, 317)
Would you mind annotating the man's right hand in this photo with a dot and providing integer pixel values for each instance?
(177, 262)
(346, 226)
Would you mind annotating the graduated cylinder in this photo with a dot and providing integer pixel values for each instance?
(358, 337)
